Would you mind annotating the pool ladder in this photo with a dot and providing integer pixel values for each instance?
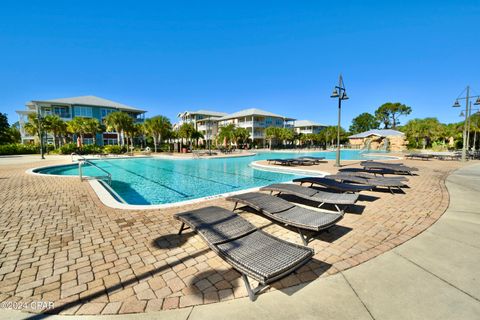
(82, 161)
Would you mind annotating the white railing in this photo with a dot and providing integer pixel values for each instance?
(82, 161)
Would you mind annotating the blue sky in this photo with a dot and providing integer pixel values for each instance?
(282, 56)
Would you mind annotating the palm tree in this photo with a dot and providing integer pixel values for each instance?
(240, 135)
(33, 126)
(272, 133)
(329, 134)
(92, 126)
(118, 121)
(54, 125)
(78, 126)
(286, 134)
(226, 134)
(187, 131)
(158, 127)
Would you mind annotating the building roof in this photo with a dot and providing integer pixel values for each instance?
(90, 101)
(307, 123)
(378, 132)
(253, 112)
(205, 112)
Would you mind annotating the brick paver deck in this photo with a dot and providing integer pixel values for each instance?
(59, 243)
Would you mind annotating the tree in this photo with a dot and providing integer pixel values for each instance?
(33, 126)
(389, 112)
(272, 134)
(424, 131)
(286, 134)
(158, 128)
(78, 126)
(4, 129)
(240, 135)
(118, 121)
(93, 126)
(56, 126)
(364, 122)
(186, 131)
(226, 134)
(8, 134)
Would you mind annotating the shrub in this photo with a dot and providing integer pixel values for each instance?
(91, 149)
(17, 148)
(114, 149)
(68, 148)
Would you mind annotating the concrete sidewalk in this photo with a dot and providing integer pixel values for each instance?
(433, 276)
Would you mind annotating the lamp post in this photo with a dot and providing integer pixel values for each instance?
(40, 132)
(340, 93)
(209, 136)
(469, 122)
(467, 118)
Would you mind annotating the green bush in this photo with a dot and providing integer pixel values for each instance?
(68, 148)
(91, 149)
(17, 148)
(114, 149)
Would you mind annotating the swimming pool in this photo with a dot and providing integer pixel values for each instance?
(151, 181)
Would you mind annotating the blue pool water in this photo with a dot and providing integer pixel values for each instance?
(144, 181)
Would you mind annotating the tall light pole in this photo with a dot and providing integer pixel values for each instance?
(340, 93)
(467, 118)
(40, 131)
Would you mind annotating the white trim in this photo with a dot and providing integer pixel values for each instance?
(108, 200)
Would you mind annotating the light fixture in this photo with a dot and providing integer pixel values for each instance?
(334, 93)
(477, 102)
(344, 96)
(462, 114)
(456, 104)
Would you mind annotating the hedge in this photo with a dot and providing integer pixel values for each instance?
(17, 148)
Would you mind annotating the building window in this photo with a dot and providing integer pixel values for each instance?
(85, 112)
(106, 112)
(61, 111)
(87, 141)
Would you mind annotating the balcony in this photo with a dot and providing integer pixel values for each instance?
(248, 124)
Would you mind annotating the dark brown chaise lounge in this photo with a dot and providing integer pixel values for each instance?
(377, 182)
(334, 198)
(359, 172)
(250, 251)
(334, 185)
(287, 213)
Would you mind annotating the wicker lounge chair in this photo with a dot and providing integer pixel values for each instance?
(302, 161)
(289, 214)
(377, 182)
(250, 251)
(395, 168)
(334, 185)
(422, 156)
(358, 172)
(314, 160)
(283, 162)
(335, 198)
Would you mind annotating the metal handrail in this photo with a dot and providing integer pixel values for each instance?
(78, 155)
(80, 172)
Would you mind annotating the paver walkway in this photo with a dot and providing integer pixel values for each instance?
(60, 243)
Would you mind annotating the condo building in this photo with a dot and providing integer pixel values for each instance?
(308, 127)
(83, 106)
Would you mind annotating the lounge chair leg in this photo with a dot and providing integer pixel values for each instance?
(338, 209)
(321, 204)
(182, 227)
(235, 206)
(251, 291)
(304, 237)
